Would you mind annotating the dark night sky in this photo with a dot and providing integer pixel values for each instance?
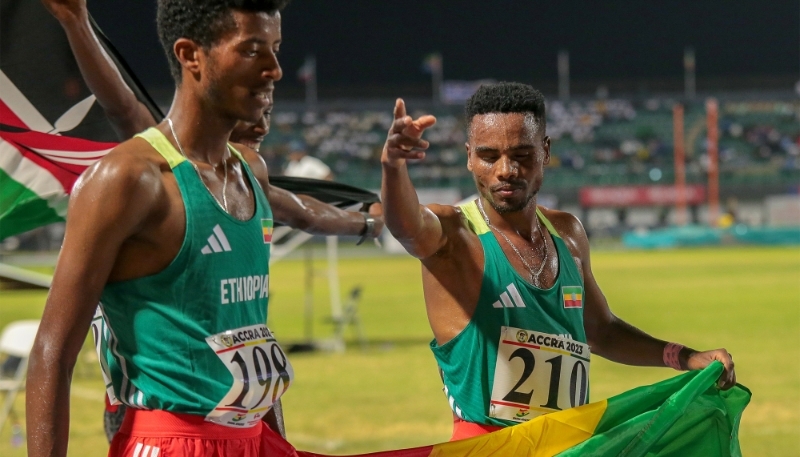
(384, 42)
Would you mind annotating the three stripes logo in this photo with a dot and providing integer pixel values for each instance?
(510, 298)
(146, 451)
(217, 242)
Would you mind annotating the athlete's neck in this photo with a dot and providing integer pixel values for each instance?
(202, 132)
(524, 222)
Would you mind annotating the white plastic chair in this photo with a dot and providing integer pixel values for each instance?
(15, 341)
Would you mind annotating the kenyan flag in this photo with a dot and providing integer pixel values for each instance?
(38, 169)
(51, 129)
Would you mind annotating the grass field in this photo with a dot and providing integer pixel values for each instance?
(389, 396)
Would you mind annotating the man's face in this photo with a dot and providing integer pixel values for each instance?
(240, 69)
(251, 134)
(506, 155)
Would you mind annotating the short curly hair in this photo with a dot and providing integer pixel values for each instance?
(506, 97)
(202, 21)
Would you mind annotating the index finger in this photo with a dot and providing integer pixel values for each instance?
(399, 109)
(424, 122)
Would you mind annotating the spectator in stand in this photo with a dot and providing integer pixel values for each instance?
(302, 165)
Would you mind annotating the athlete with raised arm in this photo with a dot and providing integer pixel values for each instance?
(515, 310)
(173, 241)
(129, 116)
(126, 113)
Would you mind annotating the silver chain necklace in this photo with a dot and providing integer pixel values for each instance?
(224, 202)
(533, 274)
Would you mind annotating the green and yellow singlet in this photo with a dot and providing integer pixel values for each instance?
(193, 338)
(524, 352)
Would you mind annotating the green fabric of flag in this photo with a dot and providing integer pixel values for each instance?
(683, 416)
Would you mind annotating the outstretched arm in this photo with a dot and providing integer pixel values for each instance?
(309, 214)
(416, 227)
(318, 218)
(616, 340)
(127, 114)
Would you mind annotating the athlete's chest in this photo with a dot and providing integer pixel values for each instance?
(184, 212)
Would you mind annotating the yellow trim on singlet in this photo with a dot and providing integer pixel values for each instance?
(547, 223)
(474, 218)
(479, 226)
(162, 144)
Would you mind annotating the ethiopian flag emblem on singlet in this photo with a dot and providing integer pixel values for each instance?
(573, 296)
(266, 230)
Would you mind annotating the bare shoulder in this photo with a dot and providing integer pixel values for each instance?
(455, 229)
(256, 163)
(131, 172)
(450, 217)
(570, 228)
(445, 213)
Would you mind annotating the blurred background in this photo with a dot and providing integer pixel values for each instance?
(676, 141)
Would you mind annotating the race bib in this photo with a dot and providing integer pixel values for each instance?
(261, 374)
(538, 373)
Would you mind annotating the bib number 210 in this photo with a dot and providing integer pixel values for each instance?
(538, 373)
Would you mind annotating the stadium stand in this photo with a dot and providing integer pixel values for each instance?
(597, 142)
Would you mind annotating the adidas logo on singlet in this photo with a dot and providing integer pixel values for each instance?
(146, 451)
(217, 242)
(510, 298)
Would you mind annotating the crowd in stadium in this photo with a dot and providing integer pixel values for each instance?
(591, 139)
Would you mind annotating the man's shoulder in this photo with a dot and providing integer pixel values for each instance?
(568, 227)
(446, 212)
(136, 149)
(132, 166)
(566, 224)
(455, 223)
(253, 160)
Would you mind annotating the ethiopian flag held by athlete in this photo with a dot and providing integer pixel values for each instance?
(684, 416)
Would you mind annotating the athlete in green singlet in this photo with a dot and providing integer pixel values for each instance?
(514, 307)
(170, 232)
(128, 116)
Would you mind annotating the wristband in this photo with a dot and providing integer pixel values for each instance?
(369, 227)
(671, 353)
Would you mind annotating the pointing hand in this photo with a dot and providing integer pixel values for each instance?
(405, 137)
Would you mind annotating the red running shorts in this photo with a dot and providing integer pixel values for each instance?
(157, 433)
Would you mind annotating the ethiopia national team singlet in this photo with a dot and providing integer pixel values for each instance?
(524, 352)
(193, 338)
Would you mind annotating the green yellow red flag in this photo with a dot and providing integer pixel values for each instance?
(683, 416)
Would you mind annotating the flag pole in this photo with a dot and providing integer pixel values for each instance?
(689, 79)
(680, 165)
(437, 75)
(563, 75)
(712, 116)
(311, 83)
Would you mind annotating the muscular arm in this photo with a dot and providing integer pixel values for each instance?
(416, 227)
(307, 213)
(127, 114)
(608, 335)
(616, 340)
(110, 202)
